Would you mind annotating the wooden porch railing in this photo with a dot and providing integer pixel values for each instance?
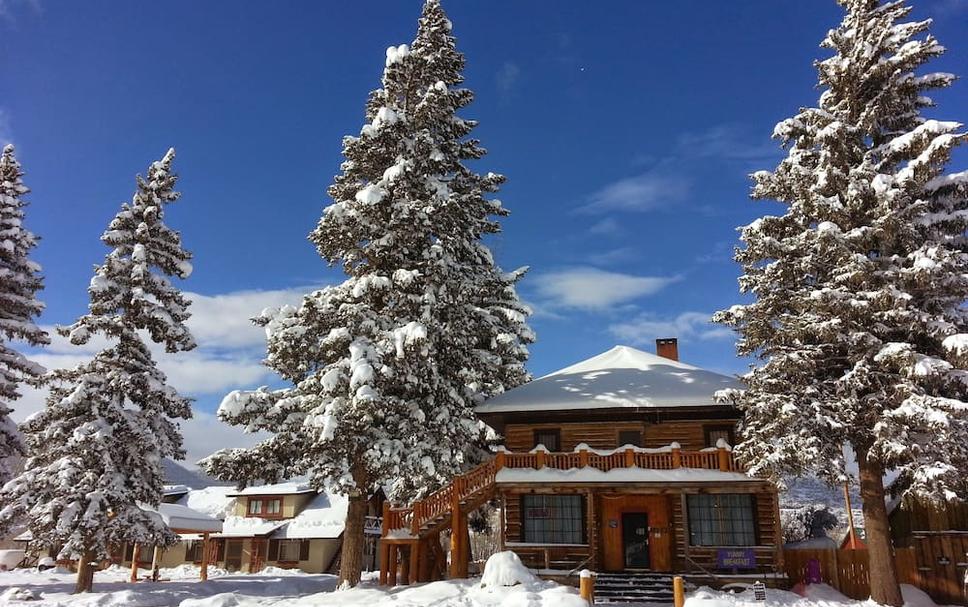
(409, 521)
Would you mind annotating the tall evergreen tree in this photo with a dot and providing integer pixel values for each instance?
(19, 283)
(387, 366)
(860, 284)
(96, 450)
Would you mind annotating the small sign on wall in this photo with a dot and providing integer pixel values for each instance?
(736, 558)
(613, 523)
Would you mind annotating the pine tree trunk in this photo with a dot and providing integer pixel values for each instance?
(351, 559)
(883, 570)
(85, 573)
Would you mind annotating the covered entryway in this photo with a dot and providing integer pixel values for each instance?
(636, 532)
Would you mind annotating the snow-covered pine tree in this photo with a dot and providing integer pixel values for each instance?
(387, 366)
(19, 283)
(860, 284)
(95, 452)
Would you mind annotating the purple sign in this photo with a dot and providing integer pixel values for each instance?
(736, 558)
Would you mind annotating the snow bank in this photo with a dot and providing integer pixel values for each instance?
(226, 599)
(506, 569)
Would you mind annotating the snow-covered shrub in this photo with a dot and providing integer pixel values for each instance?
(506, 569)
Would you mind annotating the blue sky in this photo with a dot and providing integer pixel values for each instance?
(626, 130)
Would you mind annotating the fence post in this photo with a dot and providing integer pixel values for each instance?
(723, 459)
(586, 586)
(678, 592)
(630, 457)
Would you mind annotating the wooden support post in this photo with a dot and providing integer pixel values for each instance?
(392, 569)
(499, 460)
(678, 592)
(384, 549)
(591, 529)
(586, 586)
(455, 535)
(630, 458)
(465, 546)
(777, 531)
(155, 563)
(684, 513)
(539, 459)
(135, 553)
(414, 562)
(723, 459)
(676, 455)
(504, 521)
(203, 575)
(583, 457)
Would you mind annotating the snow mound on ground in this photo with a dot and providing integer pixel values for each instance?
(226, 599)
(824, 592)
(915, 597)
(16, 593)
(506, 569)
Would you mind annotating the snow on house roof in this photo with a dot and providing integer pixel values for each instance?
(289, 488)
(322, 518)
(170, 490)
(185, 518)
(216, 502)
(622, 377)
(617, 475)
(248, 526)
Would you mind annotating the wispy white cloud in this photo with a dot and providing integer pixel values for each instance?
(648, 191)
(606, 227)
(8, 8)
(612, 256)
(228, 356)
(588, 288)
(646, 327)
(507, 76)
(727, 142)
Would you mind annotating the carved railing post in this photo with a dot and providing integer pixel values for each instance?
(676, 455)
(583, 457)
(629, 457)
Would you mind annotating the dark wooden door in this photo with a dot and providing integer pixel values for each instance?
(635, 540)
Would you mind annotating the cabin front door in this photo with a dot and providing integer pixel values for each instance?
(635, 539)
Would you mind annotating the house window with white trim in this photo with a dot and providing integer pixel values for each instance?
(289, 550)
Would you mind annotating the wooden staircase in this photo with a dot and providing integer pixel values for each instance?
(411, 534)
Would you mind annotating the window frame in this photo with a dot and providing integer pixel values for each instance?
(547, 535)
(714, 524)
(254, 507)
(295, 545)
(546, 431)
(730, 430)
(260, 507)
(639, 442)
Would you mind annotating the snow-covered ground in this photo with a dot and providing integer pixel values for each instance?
(280, 588)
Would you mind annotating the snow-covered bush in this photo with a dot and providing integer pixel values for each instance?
(506, 569)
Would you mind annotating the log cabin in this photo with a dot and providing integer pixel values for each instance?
(619, 463)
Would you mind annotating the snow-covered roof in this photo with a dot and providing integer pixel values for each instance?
(289, 488)
(323, 517)
(216, 501)
(248, 526)
(170, 490)
(622, 377)
(617, 475)
(185, 518)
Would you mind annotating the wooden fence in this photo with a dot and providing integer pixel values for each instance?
(847, 571)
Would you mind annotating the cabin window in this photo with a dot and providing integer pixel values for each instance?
(722, 520)
(714, 433)
(630, 437)
(550, 438)
(553, 519)
(289, 550)
(267, 507)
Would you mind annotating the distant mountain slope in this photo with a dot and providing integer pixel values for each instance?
(176, 474)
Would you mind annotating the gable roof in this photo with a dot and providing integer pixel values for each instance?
(287, 488)
(622, 377)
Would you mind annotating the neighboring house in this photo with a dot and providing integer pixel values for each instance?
(618, 463)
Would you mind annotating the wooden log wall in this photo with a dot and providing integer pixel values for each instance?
(690, 434)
